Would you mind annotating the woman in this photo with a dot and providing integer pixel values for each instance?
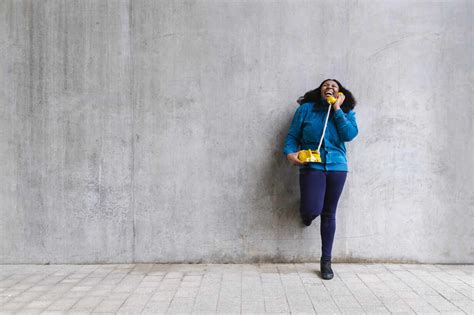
(321, 184)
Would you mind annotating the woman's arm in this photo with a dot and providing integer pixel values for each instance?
(292, 140)
(346, 124)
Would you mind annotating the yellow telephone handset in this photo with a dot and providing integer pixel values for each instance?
(314, 155)
(331, 99)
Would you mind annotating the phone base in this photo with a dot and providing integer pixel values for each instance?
(309, 156)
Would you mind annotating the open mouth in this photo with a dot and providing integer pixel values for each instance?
(328, 93)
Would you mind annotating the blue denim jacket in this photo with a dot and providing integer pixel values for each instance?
(306, 129)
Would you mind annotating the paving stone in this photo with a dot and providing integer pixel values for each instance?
(87, 303)
(12, 306)
(205, 305)
(181, 305)
(40, 304)
(62, 304)
(155, 307)
(109, 305)
(375, 309)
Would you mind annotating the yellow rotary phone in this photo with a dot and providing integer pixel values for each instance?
(314, 155)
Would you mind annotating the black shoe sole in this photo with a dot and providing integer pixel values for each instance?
(327, 277)
(307, 223)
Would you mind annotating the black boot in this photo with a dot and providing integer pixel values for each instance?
(326, 271)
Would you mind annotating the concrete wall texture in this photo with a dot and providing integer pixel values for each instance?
(152, 131)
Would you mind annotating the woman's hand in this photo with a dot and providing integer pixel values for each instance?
(340, 99)
(293, 159)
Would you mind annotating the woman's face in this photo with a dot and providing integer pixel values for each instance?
(329, 88)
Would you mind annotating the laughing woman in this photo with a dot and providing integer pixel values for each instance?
(321, 183)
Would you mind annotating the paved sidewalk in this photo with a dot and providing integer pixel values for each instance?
(238, 289)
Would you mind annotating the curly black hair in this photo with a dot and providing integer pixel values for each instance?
(314, 96)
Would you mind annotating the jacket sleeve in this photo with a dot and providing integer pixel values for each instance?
(292, 140)
(346, 125)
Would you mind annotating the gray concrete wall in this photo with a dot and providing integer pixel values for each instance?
(152, 131)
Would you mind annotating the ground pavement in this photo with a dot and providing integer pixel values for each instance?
(236, 289)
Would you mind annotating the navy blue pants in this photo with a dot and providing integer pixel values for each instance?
(320, 192)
